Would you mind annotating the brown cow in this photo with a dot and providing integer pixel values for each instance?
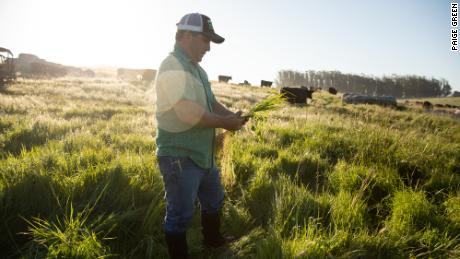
(149, 75)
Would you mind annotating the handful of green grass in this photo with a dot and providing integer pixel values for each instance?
(268, 104)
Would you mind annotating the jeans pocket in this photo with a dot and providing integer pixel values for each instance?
(171, 167)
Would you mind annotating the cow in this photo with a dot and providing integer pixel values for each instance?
(149, 75)
(266, 83)
(224, 79)
(146, 75)
(130, 74)
(296, 94)
(427, 105)
(439, 105)
(47, 69)
(332, 90)
(245, 83)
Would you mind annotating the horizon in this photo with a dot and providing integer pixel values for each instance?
(373, 39)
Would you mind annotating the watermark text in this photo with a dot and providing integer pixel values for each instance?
(454, 26)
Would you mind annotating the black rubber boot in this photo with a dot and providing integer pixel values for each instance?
(211, 230)
(177, 245)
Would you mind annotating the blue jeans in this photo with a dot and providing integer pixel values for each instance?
(184, 181)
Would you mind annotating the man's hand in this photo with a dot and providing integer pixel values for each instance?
(193, 114)
(239, 113)
(233, 122)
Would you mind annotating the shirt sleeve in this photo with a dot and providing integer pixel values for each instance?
(172, 84)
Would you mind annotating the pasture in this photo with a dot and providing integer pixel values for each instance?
(78, 177)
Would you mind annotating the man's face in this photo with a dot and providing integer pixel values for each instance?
(199, 45)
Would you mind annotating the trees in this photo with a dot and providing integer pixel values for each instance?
(394, 85)
(446, 89)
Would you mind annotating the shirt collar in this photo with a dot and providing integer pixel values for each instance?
(180, 53)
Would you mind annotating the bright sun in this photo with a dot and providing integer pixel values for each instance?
(86, 33)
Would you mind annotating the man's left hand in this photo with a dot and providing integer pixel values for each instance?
(239, 113)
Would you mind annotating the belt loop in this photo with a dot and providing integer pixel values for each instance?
(177, 161)
(179, 164)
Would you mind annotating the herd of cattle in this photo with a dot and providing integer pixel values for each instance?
(300, 94)
(225, 79)
(428, 105)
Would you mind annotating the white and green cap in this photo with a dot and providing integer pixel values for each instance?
(199, 23)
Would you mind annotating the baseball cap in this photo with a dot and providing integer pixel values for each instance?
(199, 23)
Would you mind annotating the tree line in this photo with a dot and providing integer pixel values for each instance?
(399, 86)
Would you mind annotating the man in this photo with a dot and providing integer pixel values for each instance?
(187, 115)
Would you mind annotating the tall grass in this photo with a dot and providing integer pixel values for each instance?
(411, 211)
(70, 237)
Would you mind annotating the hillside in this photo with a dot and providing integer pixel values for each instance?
(30, 66)
(78, 177)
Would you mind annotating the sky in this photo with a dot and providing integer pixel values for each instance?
(262, 37)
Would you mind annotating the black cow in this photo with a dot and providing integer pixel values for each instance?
(427, 105)
(224, 79)
(332, 90)
(266, 83)
(245, 83)
(296, 94)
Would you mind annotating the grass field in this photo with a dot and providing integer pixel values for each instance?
(78, 177)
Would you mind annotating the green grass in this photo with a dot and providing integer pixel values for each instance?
(70, 237)
(78, 177)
